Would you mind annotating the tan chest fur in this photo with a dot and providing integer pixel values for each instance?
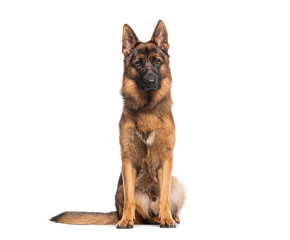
(147, 126)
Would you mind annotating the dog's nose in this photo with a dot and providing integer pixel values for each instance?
(151, 82)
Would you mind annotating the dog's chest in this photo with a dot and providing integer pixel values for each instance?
(148, 138)
(147, 126)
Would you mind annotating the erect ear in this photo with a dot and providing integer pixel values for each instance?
(129, 39)
(160, 36)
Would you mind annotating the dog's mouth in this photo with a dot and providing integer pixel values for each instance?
(151, 84)
(149, 88)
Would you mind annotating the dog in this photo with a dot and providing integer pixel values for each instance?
(146, 191)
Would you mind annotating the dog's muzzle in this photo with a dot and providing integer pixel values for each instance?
(151, 82)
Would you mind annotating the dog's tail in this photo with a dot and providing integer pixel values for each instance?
(87, 218)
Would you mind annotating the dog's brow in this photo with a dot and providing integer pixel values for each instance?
(156, 50)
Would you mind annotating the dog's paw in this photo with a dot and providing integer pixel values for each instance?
(176, 219)
(167, 223)
(125, 224)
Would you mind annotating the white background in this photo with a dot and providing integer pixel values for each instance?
(60, 77)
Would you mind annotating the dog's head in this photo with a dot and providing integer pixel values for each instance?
(146, 63)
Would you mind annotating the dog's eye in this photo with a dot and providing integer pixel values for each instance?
(156, 60)
(138, 63)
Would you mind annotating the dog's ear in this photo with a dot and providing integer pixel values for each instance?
(160, 36)
(129, 39)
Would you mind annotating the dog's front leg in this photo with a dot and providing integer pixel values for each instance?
(164, 179)
(129, 179)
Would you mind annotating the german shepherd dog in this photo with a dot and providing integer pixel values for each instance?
(146, 192)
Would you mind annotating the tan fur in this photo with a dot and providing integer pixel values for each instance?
(86, 218)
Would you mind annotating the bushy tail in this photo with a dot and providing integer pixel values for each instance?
(87, 218)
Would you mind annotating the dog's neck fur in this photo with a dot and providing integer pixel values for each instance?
(147, 110)
(141, 101)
